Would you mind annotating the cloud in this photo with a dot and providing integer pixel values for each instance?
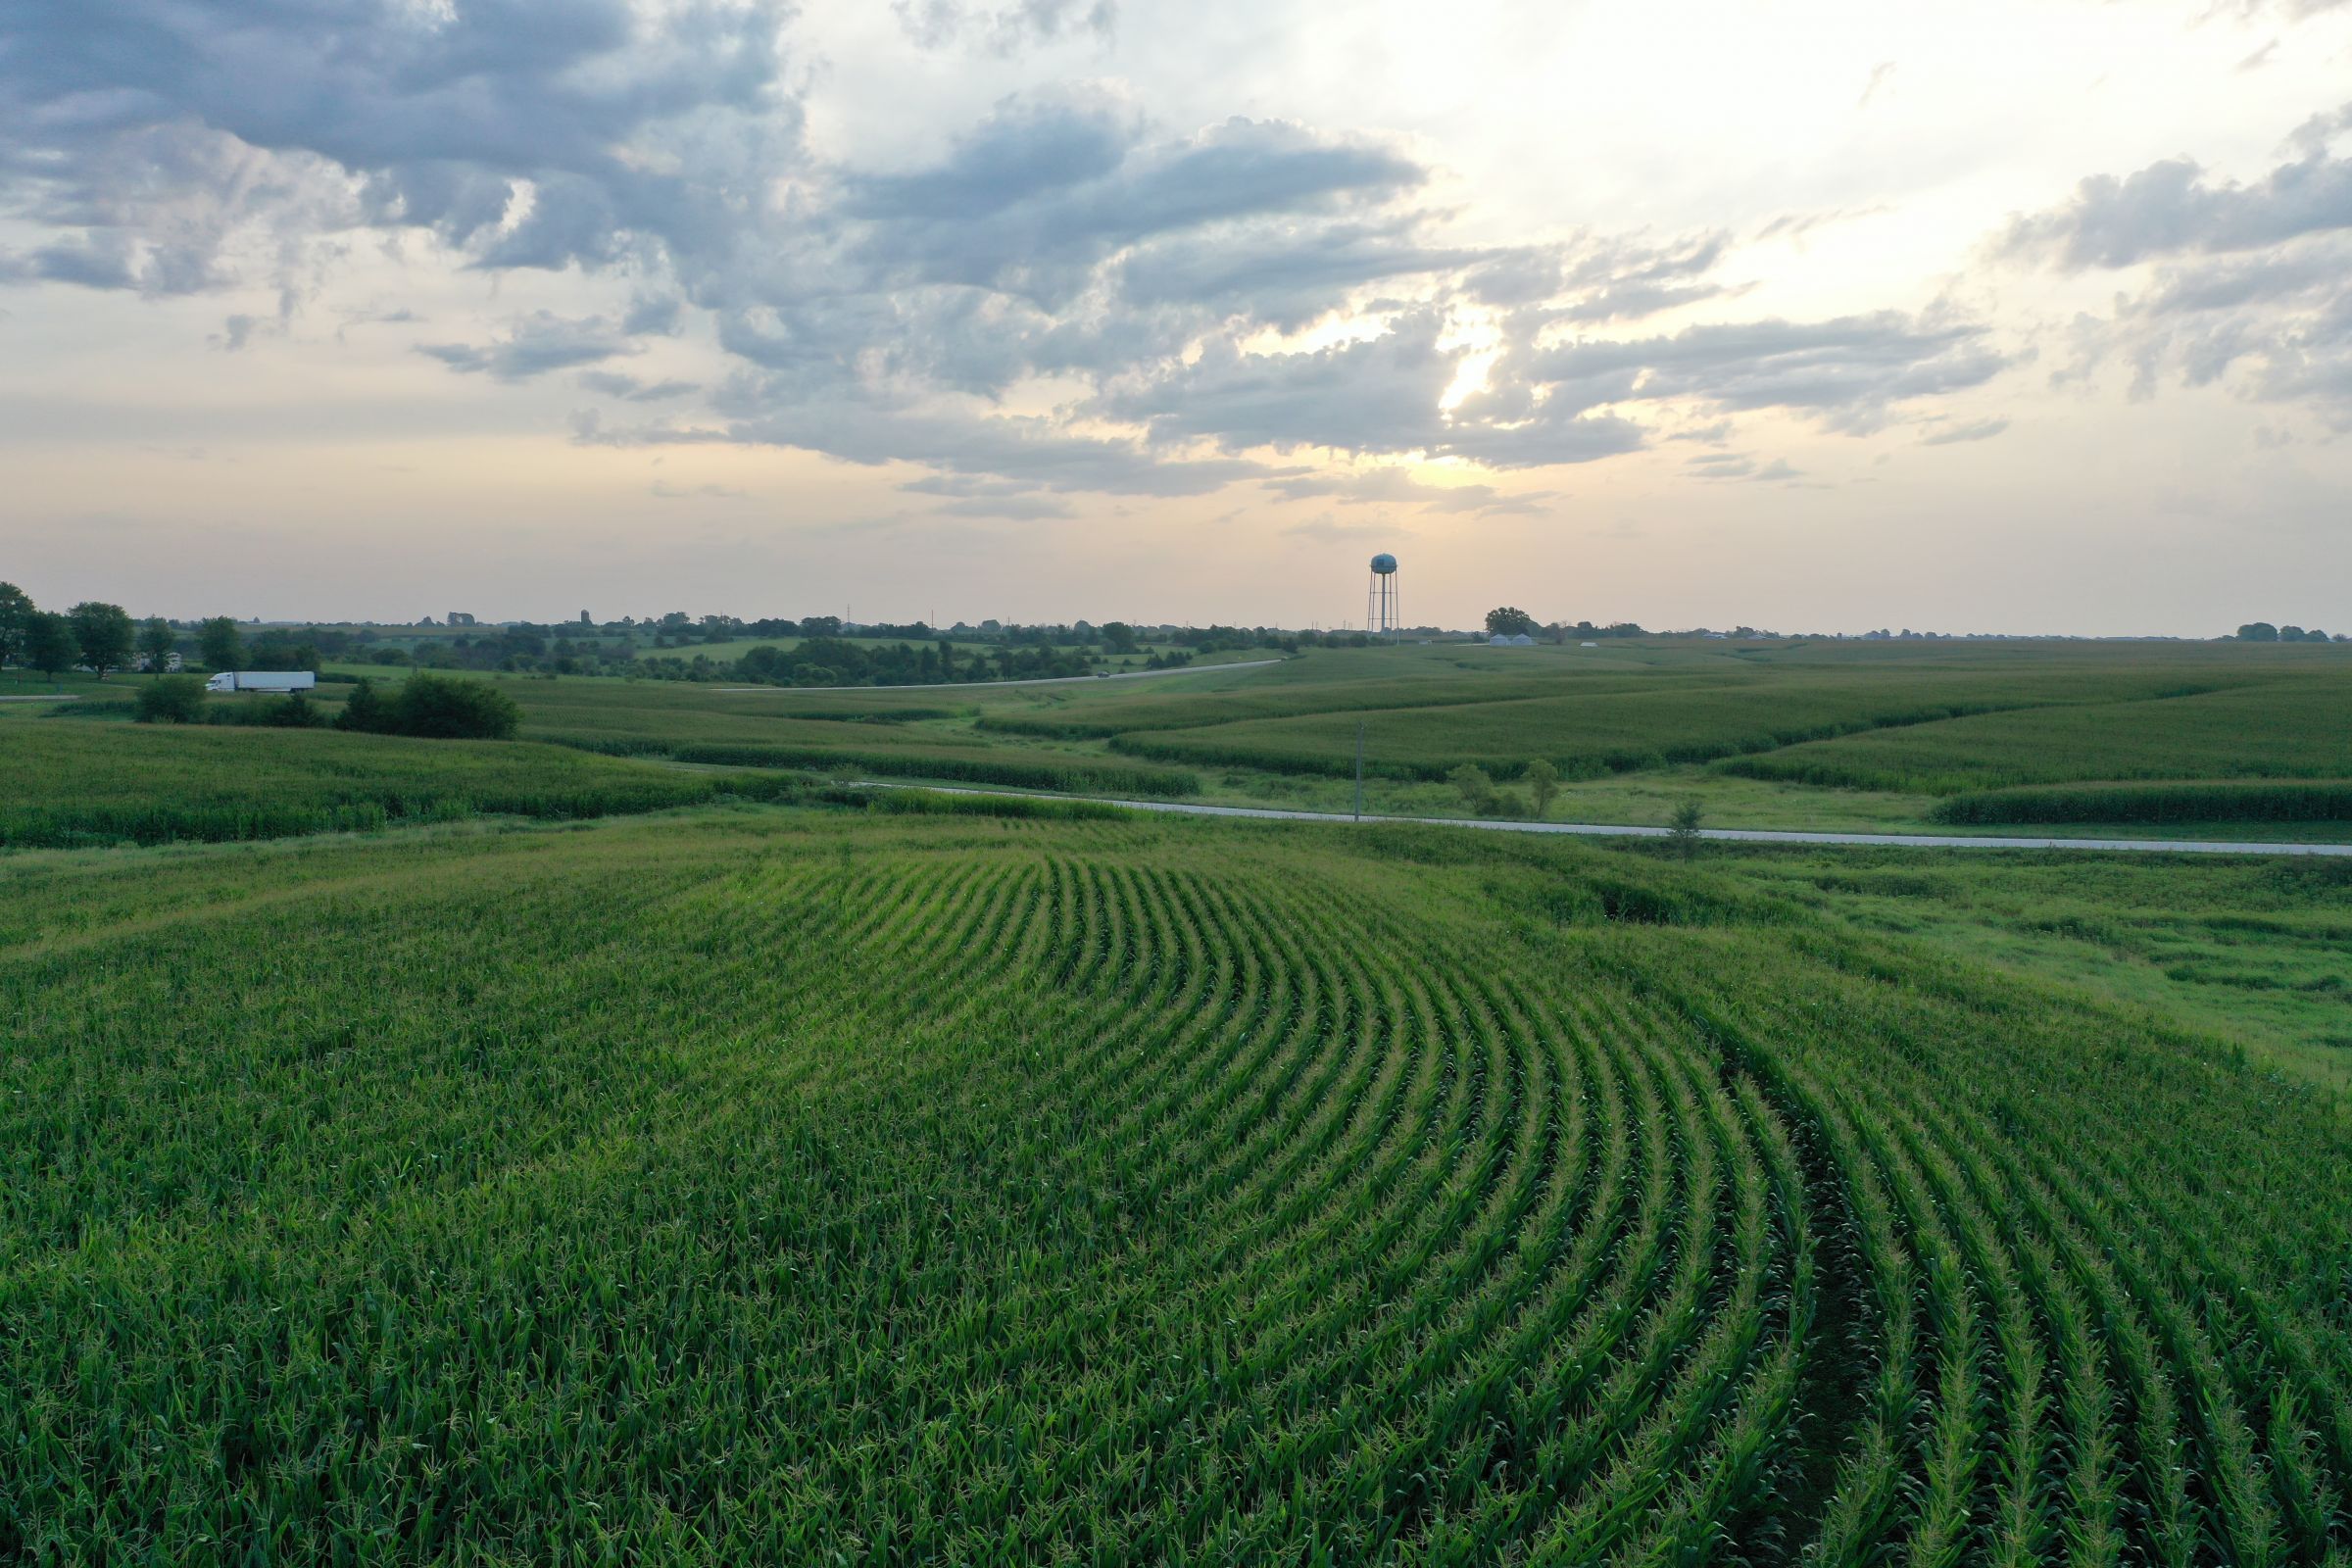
(1397, 487)
(1846, 372)
(2246, 282)
(652, 153)
(1029, 453)
(535, 345)
(2172, 209)
(1004, 30)
(1740, 467)
(1378, 395)
(1946, 434)
(529, 132)
(616, 384)
(1026, 508)
(1328, 530)
(668, 491)
(1038, 196)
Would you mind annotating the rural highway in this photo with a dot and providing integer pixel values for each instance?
(1743, 835)
(1031, 680)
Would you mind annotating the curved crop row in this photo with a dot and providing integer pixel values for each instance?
(970, 1188)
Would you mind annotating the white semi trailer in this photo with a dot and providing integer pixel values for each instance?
(262, 681)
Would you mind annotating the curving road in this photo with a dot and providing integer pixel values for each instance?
(1608, 830)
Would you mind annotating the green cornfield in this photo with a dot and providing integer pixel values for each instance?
(1644, 723)
(2298, 729)
(2216, 800)
(76, 783)
(808, 1186)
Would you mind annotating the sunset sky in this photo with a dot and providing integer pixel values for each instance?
(1994, 317)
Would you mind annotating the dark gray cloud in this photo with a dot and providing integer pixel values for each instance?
(1037, 198)
(535, 345)
(519, 129)
(1271, 272)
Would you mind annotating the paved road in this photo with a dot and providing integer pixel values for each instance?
(1033, 680)
(1900, 841)
(42, 697)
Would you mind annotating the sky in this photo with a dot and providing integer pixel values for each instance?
(2014, 316)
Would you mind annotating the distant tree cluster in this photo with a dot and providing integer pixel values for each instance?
(1562, 631)
(2262, 631)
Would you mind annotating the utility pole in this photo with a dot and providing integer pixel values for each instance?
(1359, 771)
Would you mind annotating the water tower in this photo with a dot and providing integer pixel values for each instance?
(1382, 618)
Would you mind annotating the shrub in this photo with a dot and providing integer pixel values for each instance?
(435, 708)
(1682, 829)
(295, 713)
(1478, 789)
(174, 700)
(1543, 787)
(365, 710)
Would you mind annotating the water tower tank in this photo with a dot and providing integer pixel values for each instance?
(1384, 564)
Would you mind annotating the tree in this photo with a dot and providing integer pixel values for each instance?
(2257, 631)
(436, 707)
(1118, 637)
(16, 623)
(156, 643)
(49, 644)
(174, 700)
(365, 710)
(284, 650)
(219, 644)
(1478, 790)
(295, 713)
(103, 635)
(1683, 827)
(1509, 622)
(1543, 787)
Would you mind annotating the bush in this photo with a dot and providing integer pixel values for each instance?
(435, 708)
(1478, 789)
(1682, 829)
(174, 700)
(295, 713)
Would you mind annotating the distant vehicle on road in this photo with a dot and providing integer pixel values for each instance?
(262, 681)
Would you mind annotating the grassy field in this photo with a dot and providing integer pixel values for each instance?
(802, 1185)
